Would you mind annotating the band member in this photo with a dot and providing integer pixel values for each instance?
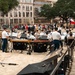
(4, 40)
(56, 39)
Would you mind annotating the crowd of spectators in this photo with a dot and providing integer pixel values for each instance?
(52, 32)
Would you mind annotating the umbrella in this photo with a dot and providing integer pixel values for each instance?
(43, 67)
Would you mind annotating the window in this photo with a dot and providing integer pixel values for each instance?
(15, 14)
(11, 21)
(6, 15)
(10, 14)
(15, 20)
(19, 20)
(27, 8)
(30, 14)
(19, 14)
(31, 8)
(23, 7)
(1, 20)
(23, 14)
(27, 14)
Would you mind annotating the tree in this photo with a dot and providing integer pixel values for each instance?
(45, 11)
(7, 5)
(65, 8)
(36, 11)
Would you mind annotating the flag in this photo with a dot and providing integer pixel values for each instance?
(72, 21)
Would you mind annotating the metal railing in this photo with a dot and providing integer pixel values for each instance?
(69, 50)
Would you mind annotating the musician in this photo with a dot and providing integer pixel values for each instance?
(36, 34)
(24, 35)
(49, 35)
(31, 35)
(56, 39)
(59, 29)
(4, 40)
(42, 32)
(70, 38)
(70, 43)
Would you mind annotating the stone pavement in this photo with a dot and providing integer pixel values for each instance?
(21, 59)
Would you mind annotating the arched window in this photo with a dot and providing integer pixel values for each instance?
(15, 14)
(10, 14)
(27, 14)
(30, 14)
(23, 7)
(27, 8)
(23, 14)
(30, 7)
(19, 14)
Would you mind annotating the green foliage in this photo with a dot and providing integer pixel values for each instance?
(7, 5)
(66, 8)
(45, 10)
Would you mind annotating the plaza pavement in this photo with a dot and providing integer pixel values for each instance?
(21, 59)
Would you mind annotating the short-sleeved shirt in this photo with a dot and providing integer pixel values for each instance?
(56, 35)
(4, 35)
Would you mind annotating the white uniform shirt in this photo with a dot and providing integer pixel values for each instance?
(4, 34)
(49, 36)
(59, 28)
(56, 35)
(42, 33)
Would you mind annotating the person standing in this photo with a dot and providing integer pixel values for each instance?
(4, 40)
(56, 39)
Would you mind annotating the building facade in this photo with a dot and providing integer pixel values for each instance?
(21, 15)
(25, 12)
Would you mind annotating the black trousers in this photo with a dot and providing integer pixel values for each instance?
(56, 44)
(4, 45)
